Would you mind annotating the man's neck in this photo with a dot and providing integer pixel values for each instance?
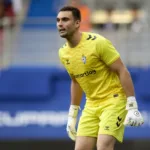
(74, 40)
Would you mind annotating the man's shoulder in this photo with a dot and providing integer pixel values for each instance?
(93, 36)
(63, 48)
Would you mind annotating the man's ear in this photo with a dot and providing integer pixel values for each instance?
(78, 23)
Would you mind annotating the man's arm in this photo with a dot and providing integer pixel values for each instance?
(76, 93)
(76, 96)
(133, 117)
(124, 77)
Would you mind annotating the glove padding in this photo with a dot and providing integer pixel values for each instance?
(133, 117)
(72, 120)
(71, 130)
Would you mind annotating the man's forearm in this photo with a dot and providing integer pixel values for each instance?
(126, 82)
(76, 93)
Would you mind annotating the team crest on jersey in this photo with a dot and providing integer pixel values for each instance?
(84, 59)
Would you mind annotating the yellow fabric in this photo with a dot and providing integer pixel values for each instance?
(103, 117)
(88, 62)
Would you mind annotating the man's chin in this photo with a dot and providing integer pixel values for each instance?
(63, 35)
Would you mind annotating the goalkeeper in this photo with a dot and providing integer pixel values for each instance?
(95, 68)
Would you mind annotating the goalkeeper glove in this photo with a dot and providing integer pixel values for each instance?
(72, 119)
(133, 117)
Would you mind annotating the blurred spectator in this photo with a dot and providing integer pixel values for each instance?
(1, 27)
(17, 6)
(7, 21)
(85, 14)
(6, 14)
(109, 24)
(1, 12)
(1, 8)
(138, 21)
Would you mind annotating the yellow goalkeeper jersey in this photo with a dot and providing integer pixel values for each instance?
(89, 63)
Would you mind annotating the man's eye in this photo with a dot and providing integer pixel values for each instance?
(65, 19)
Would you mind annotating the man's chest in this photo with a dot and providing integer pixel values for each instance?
(81, 60)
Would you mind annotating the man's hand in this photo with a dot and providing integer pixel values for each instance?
(72, 119)
(133, 117)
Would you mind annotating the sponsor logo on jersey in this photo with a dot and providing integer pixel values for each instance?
(87, 73)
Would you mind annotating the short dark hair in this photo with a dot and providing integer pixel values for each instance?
(75, 11)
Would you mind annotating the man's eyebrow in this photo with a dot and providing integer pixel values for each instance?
(65, 18)
(62, 18)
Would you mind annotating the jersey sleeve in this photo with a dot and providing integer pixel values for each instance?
(107, 52)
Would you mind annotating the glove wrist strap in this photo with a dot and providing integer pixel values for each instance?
(73, 111)
(131, 103)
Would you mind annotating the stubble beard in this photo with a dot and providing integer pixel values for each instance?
(66, 35)
(63, 35)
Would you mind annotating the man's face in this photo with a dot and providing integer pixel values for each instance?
(66, 24)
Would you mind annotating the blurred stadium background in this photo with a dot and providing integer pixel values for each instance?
(34, 87)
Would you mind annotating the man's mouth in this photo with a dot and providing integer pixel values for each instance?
(61, 30)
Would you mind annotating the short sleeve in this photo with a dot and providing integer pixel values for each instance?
(107, 52)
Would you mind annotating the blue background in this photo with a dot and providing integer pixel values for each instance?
(38, 89)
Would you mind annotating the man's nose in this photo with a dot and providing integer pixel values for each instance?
(60, 23)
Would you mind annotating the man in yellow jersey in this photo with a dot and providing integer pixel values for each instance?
(96, 69)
